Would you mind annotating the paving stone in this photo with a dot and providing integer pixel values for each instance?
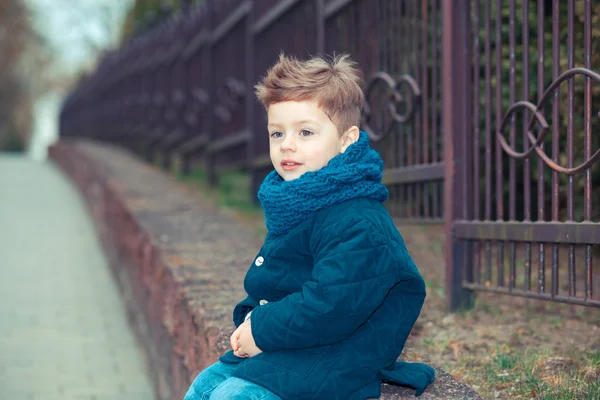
(63, 328)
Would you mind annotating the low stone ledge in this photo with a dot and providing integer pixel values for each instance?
(179, 264)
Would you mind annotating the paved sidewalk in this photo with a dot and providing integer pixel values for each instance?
(63, 329)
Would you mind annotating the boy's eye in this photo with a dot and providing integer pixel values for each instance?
(305, 132)
(276, 134)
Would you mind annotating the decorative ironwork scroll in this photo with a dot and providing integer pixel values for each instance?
(536, 142)
(229, 98)
(194, 107)
(394, 100)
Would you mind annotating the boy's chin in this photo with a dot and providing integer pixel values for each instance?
(291, 175)
(291, 178)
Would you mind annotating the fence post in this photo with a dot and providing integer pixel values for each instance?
(320, 26)
(250, 104)
(210, 108)
(455, 122)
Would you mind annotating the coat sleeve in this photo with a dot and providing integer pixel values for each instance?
(242, 309)
(354, 269)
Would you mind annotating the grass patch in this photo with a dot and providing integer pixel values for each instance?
(434, 287)
(231, 194)
(234, 192)
(535, 374)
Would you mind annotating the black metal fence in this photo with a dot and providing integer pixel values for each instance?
(526, 160)
(451, 87)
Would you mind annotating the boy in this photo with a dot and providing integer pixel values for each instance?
(333, 292)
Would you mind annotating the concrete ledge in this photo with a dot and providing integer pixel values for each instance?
(179, 263)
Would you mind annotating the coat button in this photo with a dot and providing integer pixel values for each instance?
(262, 302)
(259, 261)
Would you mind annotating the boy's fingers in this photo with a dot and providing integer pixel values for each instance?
(240, 353)
(234, 338)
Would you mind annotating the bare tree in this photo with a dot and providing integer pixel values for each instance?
(22, 61)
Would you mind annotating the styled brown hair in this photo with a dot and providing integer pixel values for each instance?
(336, 85)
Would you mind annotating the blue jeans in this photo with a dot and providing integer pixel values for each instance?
(216, 383)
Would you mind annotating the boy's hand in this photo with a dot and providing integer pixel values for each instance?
(234, 339)
(242, 341)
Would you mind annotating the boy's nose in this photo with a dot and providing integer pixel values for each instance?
(289, 143)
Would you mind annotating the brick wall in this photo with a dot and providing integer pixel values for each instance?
(179, 264)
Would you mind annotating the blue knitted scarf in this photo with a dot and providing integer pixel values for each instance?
(355, 173)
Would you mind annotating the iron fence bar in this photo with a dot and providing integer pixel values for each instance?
(587, 142)
(541, 284)
(196, 43)
(547, 232)
(391, 14)
(455, 117)
(555, 135)
(414, 174)
(467, 143)
(209, 115)
(425, 108)
(533, 295)
(271, 16)
(410, 135)
(436, 156)
(403, 140)
(476, 133)
(231, 21)
(334, 6)
(416, 128)
(321, 18)
(499, 177)
(526, 162)
(570, 144)
(424, 221)
(512, 200)
(488, 134)
(250, 42)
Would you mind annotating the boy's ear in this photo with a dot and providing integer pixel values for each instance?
(349, 137)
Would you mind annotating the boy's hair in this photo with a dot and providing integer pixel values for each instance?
(336, 86)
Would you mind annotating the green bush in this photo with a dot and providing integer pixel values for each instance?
(12, 142)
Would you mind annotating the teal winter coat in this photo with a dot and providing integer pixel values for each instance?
(333, 301)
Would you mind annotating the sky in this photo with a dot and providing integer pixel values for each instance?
(77, 29)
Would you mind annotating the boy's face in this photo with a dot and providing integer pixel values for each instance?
(302, 138)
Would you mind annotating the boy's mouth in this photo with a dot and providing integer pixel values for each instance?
(289, 165)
